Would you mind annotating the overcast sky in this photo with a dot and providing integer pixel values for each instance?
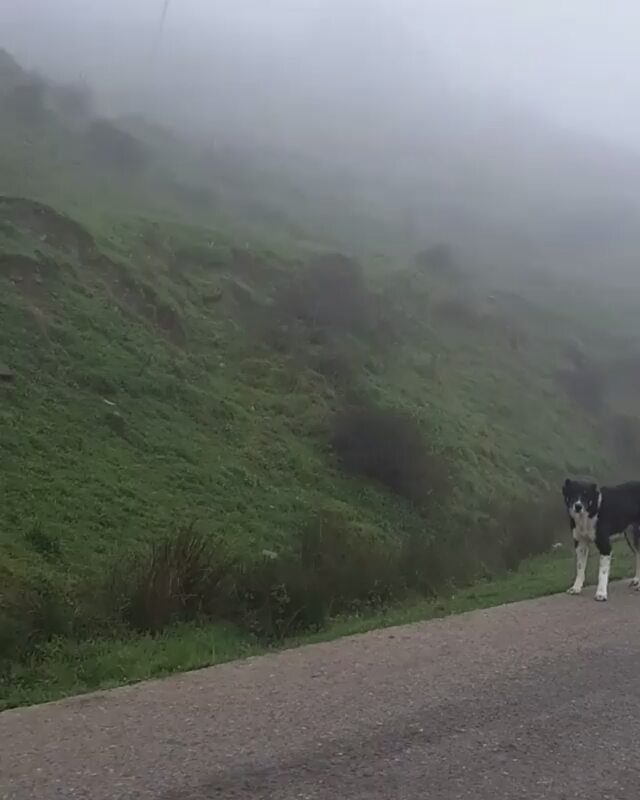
(574, 61)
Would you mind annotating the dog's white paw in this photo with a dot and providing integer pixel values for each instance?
(600, 597)
(574, 590)
(635, 583)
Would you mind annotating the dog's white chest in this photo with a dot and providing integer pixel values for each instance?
(585, 529)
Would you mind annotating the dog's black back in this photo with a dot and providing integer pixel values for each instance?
(620, 508)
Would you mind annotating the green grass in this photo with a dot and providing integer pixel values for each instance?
(63, 668)
(114, 432)
(157, 384)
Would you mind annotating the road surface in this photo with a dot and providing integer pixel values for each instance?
(536, 700)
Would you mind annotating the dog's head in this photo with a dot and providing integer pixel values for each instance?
(581, 498)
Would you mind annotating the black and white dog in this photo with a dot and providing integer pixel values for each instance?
(598, 514)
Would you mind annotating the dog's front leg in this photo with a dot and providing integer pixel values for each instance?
(582, 555)
(604, 546)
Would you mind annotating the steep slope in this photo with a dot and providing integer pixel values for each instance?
(345, 432)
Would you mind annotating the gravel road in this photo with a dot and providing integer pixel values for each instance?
(538, 699)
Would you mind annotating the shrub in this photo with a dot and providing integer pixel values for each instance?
(32, 612)
(528, 529)
(624, 434)
(353, 565)
(178, 579)
(44, 543)
(333, 569)
(584, 386)
(388, 446)
(274, 598)
(337, 366)
(438, 260)
(330, 295)
(433, 564)
(462, 312)
(343, 367)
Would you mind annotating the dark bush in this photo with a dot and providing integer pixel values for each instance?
(274, 598)
(584, 386)
(330, 295)
(462, 312)
(529, 529)
(426, 565)
(336, 570)
(342, 367)
(44, 543)
(176, 580)
(334, 567)
(115, 147)
(481, 316)
(438, 260)
(336, 366)
(332, 570)
(624, 435)
(389, 447)
(31, 613)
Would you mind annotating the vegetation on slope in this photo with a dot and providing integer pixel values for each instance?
(200, 429)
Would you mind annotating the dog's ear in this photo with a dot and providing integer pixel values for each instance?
(565, 486)
(594, 488)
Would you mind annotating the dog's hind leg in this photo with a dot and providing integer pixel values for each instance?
(635, 538)
(603, 577)
(582, 555)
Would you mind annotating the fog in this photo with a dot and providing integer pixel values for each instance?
(573, 61)
(491, 118)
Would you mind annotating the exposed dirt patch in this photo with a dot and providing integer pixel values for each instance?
(41, 318)
(49, 226)
(28, 275)
(141, 300)
(7, 375)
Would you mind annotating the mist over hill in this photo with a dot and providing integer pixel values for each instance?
(353, 107)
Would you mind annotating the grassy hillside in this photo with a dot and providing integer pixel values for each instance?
(213, 422)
